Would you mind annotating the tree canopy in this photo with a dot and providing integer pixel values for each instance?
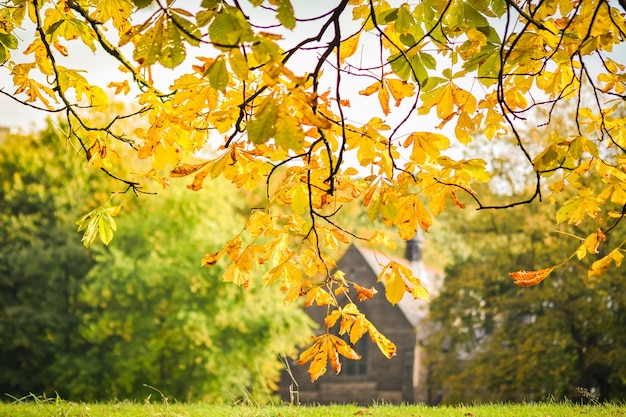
(356, 101)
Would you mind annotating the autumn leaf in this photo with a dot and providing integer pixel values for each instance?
(600, 266)
(575, 209)
(529, 278)
(325, 348)
(400, 89)
(349, 47)
(590, 244)
(186, 169)
(386, 346)
(364, 293)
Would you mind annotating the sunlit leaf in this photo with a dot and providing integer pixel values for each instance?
(529, 278)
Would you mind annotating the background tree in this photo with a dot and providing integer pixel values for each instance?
(42, 264)
(265, 96)
(497, 342)
(150, 314)
(108, 323)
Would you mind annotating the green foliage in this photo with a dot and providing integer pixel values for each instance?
(108, 323)
(41, 262)
(497, 342)
(151, 315)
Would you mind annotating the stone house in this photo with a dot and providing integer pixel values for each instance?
(374, 378)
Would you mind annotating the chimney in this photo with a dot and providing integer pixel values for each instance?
(414, 255)
(413, 252)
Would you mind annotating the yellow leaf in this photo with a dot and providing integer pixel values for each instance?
(600, 266)
(411, 212)
(575, 208)
(345, 350)
(300, 198)
(591, 244)
(437, 202)
(385, 345)
(371, 89)
(383, 98)
(419, 292)
(117, 10)
(426, 146)
(331, 319)
(395, 287)
(349, 47)
(325, 347)
(400, 89)
(319, 296)
(237, 276)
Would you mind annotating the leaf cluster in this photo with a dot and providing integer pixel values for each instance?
(339, 114)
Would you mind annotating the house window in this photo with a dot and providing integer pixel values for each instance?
(352, 368)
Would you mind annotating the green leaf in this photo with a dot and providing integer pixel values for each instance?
(190, 32)
(285, 14)
(218, 74)
(387, 16)
(264, 48)
(263, 126)
(404, 21)
(9, 40)
(142, 3)
(4, 53)
(204, 17)
(148, 49)
(407, 39)
(98, 222)
(229, 28)
(400, 66)
(210, 4)
(289, 135)
(173, 52)
(106, 226)
(238, 63)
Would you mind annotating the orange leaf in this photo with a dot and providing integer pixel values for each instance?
(364, 293)
(198, 180)
(529, 278)
(345, 349)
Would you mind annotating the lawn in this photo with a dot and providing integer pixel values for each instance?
(61, 408)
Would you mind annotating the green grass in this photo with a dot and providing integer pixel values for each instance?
(36, 407)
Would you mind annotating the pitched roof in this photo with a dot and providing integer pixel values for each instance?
(414, 310)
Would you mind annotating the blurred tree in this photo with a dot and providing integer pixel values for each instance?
(151, 315)
(42, 261)
(113, 322)
(497, 342)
